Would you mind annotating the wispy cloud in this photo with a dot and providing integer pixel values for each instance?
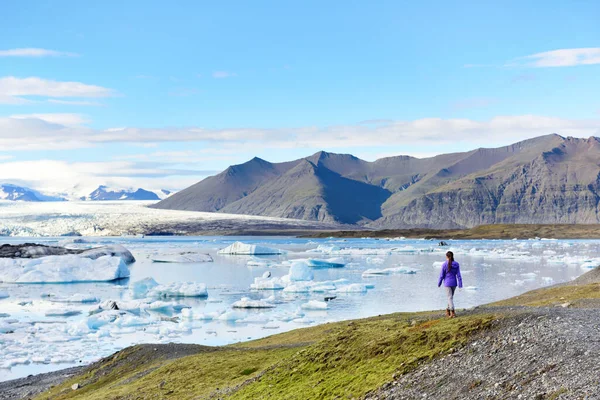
(81, 178)
(75, 102)
(37, 133)
(35, 52)
(223, 74)
(57, 118)
(559, 58)
(13, 89)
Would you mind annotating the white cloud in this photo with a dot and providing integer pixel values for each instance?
(36, 133)
(80, 178)
(60, 119)
(35, 52)
(560, 58)
(75, 102)
(223, 74)
(12, 89)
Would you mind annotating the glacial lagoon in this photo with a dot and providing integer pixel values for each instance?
(44, 327)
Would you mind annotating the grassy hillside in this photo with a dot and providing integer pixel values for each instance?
(338, 360)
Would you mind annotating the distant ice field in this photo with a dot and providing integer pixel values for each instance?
(56, 325)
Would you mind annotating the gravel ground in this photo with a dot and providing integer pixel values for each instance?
(545, 353)
(32, 385)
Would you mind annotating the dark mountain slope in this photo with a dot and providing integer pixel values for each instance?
(549, 179)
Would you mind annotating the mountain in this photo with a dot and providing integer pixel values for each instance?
(549, 179)
(21, 193)
(104, 193)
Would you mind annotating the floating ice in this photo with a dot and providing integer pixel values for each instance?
(267, 284)
(246, 302)
(300, 271)
(62, 312)
(547, 280)
(352, 288)
(471, 288)
(239, 248)
(3, 295)
(75, 298)
(390, 271)
(232, 316)
(62, 269)
(182, 258)
(115, 250)
(140, 289)
(179, 289)
(314, 305)
(590, 264)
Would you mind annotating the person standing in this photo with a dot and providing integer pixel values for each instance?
(450, 277)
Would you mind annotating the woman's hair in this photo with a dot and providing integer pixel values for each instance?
(450, 256)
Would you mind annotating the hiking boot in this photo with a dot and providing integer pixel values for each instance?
(452, 314)
(448, 312)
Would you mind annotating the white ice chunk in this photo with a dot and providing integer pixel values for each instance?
(267, 284)
(62, 312)
(114, 250)
(62, 269)
(182, 258)
(246, 302)
(140, 289)
(239, 248)
(314, 305)
(390, 271)
(179, 289)
(75, 298)
(232, 316)
(300, 271)
(352, 288)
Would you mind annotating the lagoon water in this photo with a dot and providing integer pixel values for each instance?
(32, 342)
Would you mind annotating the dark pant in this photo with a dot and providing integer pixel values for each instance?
(450, 292)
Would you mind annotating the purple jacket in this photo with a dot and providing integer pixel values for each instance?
(451, 278)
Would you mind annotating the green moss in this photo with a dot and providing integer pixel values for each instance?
(338, 359)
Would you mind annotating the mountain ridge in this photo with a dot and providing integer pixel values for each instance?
(547, 179)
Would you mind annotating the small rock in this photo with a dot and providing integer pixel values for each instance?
(565, 305)
(75, 386)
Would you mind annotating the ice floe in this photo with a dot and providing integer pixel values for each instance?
(246, 302)
(182, 258)
(314, 305)
(239, 248)
(390, 271)
(63, 269)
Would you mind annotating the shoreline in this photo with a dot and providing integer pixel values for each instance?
(529, 303)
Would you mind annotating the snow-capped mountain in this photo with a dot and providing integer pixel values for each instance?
(106, 193)
(21, 193)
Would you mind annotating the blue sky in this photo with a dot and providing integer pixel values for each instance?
(160, 94)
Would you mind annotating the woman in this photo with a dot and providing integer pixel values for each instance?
(450, 275)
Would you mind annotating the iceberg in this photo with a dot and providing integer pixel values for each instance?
(115, 250)
(58, 312)
(76, 298)
(182, 258)
(232, 316)
(267, 284)
(352, 288)
(63, 269)
(239, 248)
(139, 289)
(390, 271)
(246, 302)
(314, 305)
(179, 289)
(300, 271)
